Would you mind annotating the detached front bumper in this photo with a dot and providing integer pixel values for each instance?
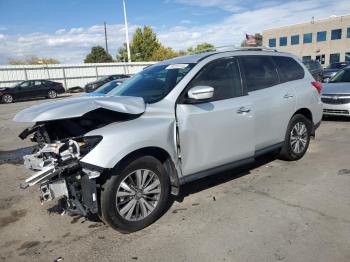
(60, 174)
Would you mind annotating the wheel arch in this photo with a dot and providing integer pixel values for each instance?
(308, 114)
(159, 153)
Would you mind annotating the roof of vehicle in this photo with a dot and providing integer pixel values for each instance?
(197, 57)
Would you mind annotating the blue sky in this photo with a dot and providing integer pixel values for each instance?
(67, 29)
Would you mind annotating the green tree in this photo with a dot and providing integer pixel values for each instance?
(200, 48)
(98, 55)
(33, 60)
(164, 53)
(144, 43)
(258, 39)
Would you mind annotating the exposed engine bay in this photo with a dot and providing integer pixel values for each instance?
(56, 159)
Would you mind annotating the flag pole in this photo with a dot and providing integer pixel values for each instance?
(126, 33)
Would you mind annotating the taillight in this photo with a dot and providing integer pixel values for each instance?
(317, 85)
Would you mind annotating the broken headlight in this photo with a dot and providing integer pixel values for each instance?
(87, 143)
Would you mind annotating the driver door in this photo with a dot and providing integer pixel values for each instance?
(218, 131)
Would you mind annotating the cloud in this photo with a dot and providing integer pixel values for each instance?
(70, 45)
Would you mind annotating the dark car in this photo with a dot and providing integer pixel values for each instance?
(31, 89)
(90, 87)
(315, 69)
(332, 69)
(106, 88)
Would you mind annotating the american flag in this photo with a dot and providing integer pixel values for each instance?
(250, 39)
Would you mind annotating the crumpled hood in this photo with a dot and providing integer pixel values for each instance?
(336, 88)
(78, 106)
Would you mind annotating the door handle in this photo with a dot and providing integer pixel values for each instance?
(288, 96)
(242, 110)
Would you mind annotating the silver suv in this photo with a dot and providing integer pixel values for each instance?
(123, 156)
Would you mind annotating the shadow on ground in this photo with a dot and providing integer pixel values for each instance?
(15, 157)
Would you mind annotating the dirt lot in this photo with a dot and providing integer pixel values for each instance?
(271, 211)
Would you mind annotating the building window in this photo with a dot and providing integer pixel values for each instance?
(336, 34)
(321, 59)
(294, 40)
(307, 38)
(348, 33)
(272, 42)
(347, 56)
(321, 36)
(334, 58)
(306, 58)
(283, 41)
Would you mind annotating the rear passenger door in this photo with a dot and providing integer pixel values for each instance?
(273, 102)
(216, 131)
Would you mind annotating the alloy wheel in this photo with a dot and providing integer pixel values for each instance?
(52, 94)
(299, 137)
(7, 98)
(138, 195)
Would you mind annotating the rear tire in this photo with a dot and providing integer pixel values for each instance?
(137, 196)
(52, 94)
(297, 138)
(7, 99)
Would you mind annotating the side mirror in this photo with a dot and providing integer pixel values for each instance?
(327, 80)
(201, 92)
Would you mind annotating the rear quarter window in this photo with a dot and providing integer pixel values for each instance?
(259, 72)
(288, 69)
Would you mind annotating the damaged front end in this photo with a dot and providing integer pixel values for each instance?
(60, 174)
(61, 135)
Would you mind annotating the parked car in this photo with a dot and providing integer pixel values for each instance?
(315, 69)
(76, 89)
(332, 69)
(90, 87)
(122, 156)
(31, 89)
(106, 88)
(336, 94)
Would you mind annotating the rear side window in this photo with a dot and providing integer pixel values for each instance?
(223, 75)
(259, 72)
(289, 69)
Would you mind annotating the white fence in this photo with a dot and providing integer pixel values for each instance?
(69, 75)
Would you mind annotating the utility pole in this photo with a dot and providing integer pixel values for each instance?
(126, 33)
(106, 38)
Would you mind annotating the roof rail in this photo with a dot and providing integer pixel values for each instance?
(235, 48)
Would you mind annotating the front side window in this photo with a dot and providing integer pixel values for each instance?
(294, 40)
(223, 75)
(272, 42)
(348, 32)
(26, 84)
(336, 34)
(288, 69)
(154, 82)
(321, 36)
(334, 58)
(307, 38)
(259, 72)
(283, 41)
(342, 76)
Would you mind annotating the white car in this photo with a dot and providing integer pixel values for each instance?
(121, 156)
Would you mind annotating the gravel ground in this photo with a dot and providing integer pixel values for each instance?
(269, 211)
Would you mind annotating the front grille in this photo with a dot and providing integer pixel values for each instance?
(335, 100)
(336, 111)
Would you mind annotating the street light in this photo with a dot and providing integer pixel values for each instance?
(126, 33)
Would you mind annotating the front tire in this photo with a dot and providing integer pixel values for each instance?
(7, 99)
(297, 138)
(137, 196)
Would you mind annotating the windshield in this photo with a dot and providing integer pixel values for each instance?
(153, 83)
(107, 87)
(342, 76)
